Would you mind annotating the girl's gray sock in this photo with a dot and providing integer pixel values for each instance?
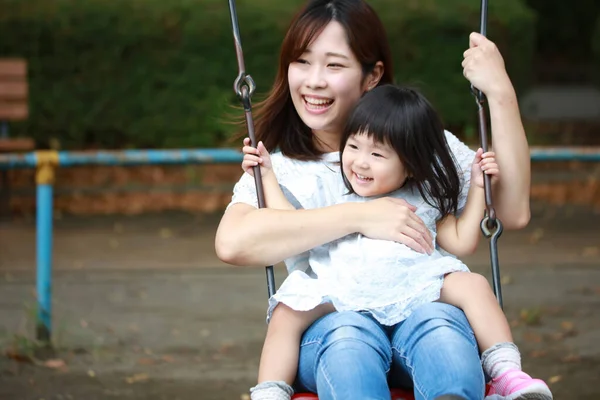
(500, 358)
(271, 390)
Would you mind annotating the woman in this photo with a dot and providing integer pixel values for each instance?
(333, 52)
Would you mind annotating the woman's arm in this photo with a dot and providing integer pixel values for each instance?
(511, 191)
(484, 68)
(250, 236)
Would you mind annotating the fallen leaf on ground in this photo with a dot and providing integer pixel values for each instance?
(55, 363)
(168, 359)
(137, 378)
(91, 374)
(166, 233)
(536, 236)
(532, 337)
(571, 358)
(567, 325)
(538, 353)
(531, 316)
(590, 251)
(146, 361)
(554, 379)
(226, 347)
(14, 355)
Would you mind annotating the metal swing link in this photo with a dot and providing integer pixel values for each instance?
(244, 88)
(490, 224)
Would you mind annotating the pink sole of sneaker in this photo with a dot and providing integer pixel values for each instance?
(537, 391)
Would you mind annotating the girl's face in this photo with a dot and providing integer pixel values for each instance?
(326, 82)
(372, 168)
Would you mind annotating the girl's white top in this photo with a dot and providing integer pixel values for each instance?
(387, 279)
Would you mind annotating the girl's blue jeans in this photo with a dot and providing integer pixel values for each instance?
(349, 355)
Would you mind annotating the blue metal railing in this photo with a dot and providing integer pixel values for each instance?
(45, 163)
(554, 154)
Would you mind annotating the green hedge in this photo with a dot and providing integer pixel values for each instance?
(155, 73)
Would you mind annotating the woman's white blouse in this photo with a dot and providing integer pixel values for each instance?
(384, 278)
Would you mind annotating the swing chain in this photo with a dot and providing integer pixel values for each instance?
(244, 88)
(491, 227)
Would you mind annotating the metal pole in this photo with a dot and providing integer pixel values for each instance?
(44, 262)
(46, 162)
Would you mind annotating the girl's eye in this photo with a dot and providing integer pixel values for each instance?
(377, 155)
(352, 146)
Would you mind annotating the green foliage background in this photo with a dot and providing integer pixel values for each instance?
(156, 73)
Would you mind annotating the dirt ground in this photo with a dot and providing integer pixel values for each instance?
(143, 309)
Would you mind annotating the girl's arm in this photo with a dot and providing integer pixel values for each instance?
(484, 68)
(460, 236)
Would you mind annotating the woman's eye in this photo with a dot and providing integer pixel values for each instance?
(336, 65)
(301, 61)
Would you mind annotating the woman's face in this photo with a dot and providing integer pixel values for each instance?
(326, 82)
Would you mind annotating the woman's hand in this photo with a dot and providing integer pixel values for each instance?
(256, 156)
(484, 163)
(483, 66)
(395, 219)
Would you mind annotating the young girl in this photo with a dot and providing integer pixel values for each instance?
(393, 145)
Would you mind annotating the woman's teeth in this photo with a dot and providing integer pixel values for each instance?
(317, 103)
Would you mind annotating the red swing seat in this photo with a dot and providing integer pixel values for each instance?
(396, 394)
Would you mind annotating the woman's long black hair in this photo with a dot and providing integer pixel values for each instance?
(404, 119)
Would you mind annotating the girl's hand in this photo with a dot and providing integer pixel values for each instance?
(483, 66)
(484, 163)
(394, 219)
(256, 156)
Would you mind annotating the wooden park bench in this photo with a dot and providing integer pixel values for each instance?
(13, 107)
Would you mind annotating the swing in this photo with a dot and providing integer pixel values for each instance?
(491, 226)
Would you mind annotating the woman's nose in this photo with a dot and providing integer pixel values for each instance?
(315, 78)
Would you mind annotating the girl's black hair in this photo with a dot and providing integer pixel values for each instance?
(404, 119)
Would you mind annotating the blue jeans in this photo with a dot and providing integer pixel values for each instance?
(349, 355)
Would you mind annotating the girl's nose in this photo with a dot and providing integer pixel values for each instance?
(362, 162)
